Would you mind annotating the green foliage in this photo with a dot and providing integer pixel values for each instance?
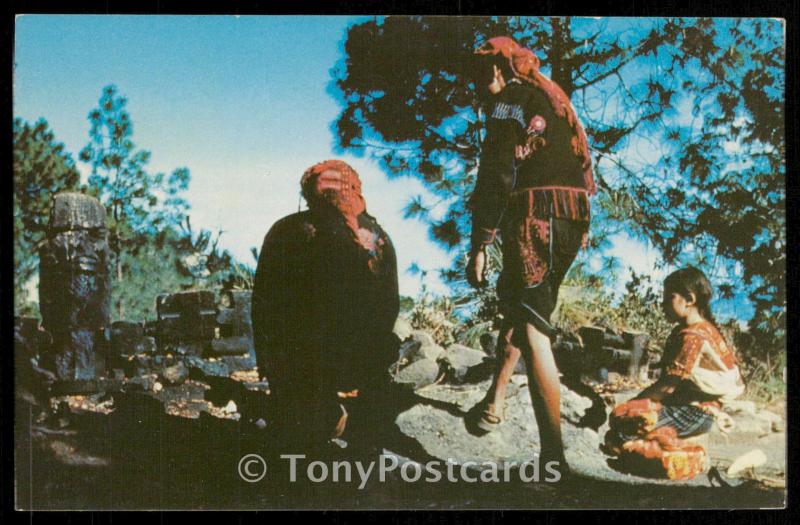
(207, 266)
(154, 249)
(435, 315)
(148, 271)
(584, 300)
(715, 195)
(41, 169)
(406, 304)
(762, 360)
(138, 201)
(144, 208)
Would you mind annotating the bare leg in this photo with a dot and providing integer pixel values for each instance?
(545, 388)
(507, 357)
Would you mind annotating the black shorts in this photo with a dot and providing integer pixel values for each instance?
(536, 256)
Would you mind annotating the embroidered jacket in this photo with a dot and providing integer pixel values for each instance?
(527, 156)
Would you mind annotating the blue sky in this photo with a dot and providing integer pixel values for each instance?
(243, 102)
(240, 101)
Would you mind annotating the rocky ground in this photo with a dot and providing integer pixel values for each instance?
(173, 435)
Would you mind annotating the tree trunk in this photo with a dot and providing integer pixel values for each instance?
(562, 39)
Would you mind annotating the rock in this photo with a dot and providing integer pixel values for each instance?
(420, 373)
(175, 374)
(751, 425)
(238, 345)
(129, 338)
(735, 407)
(142, 383)
(186, 320)
(402, 329)
(233, 316)
(137, 365)
(439, 430)
(459, 359)
(230, 407)
(157, 387)
(573, 406)
(419, 346)
(752, 459)
(489, 342)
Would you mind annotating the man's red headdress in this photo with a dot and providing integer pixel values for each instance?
(333, 184)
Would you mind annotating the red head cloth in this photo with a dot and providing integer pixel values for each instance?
(498, 45)
(333, 183)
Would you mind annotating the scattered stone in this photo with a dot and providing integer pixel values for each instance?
(752, 459)
(187, 321)
(459, 359)
(419, 346)
(742, 407)
(143, 383)
(488, 342)
(137, 365)
(129, 338)
(234, 318)
(68, 454)
(175, 374)
(421, 372)
(402, 329)
(237, 345)
(573, 406)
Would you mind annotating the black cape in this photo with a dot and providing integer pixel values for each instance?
(324, 307)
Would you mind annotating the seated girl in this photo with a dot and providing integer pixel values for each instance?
(699, 375)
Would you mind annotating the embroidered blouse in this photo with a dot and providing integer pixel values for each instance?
(699, 355)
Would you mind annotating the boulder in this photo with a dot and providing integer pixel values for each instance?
(489, 342)
(128, 338)
(402, 329)
(420, 345)
(458, 361)
(740, 407)
(419, 373)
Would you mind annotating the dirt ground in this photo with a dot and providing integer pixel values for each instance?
(182, 447)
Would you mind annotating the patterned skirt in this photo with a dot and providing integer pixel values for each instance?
(648, 438)
(543, 231)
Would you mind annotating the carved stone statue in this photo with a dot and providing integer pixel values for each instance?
(74, 289)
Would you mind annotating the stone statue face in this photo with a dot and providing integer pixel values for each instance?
(81, 250)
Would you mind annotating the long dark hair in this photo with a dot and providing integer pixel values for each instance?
(688, 281)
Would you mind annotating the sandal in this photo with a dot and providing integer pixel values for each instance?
(490, 418)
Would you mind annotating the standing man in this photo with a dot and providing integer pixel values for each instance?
(324, 304)
(534, 183)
